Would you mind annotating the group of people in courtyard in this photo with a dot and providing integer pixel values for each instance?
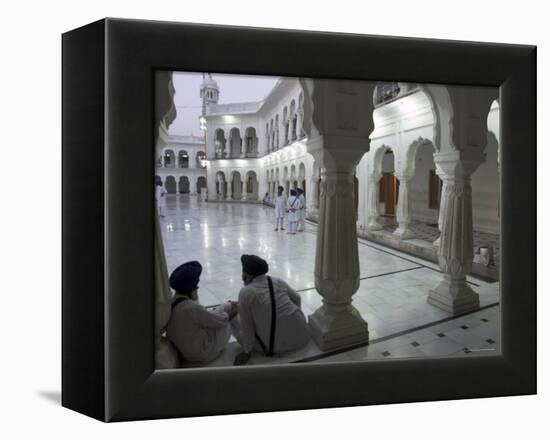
(293, 207)
(267, 318)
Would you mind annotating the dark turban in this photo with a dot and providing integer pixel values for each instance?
(185, 278)
(300, 191)
(292, 192)
(254, 265)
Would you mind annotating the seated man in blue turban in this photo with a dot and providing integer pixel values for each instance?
(270, 319)
(200, 335)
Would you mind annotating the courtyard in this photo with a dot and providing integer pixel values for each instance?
(392, 296)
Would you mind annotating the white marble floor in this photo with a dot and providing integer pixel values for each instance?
(391, 297)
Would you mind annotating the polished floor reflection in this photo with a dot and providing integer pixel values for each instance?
(391, 297)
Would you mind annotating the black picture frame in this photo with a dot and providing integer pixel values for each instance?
(108, 308)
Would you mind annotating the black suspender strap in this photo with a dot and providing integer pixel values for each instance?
(269, 352)
(273, 317)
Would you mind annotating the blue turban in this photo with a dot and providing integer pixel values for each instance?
(300, 191)
(292, 192)
(185, 278)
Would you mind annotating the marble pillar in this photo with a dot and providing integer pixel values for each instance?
(243, 190)
(403, 230)
(337, 323)
(455, 252)
(372, 202)
(229, 194)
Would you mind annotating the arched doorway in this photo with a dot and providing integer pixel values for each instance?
(236, 186)
(201, 183)
(169, 159)
(221, 187)
(201, 159)
(184, 185)
(251, 142)
(219, 144)
(425, 185)
(170, 185)
(183, 159)
(251, 186)
(235, 142)
(389, 185)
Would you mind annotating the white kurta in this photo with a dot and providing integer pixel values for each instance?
(280, 206)
(160, 195)
(254, 317)
(199, 334)
(303, 208)
(295, 203)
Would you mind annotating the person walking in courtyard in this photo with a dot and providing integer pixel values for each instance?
(302, 212)
(160, 197)
(198, 333)
(293, 205)
(270, 320)
(280, 207)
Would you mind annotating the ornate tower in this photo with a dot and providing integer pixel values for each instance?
(210, 92)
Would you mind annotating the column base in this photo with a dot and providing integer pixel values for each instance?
(332, 331)
(455, 297)
(404, 233)
(374, 226)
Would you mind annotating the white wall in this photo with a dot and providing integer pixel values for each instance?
(419, 194)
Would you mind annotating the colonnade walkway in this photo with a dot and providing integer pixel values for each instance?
(391, 297)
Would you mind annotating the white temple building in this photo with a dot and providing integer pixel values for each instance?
(253, 147)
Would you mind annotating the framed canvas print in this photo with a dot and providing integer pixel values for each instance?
(261, 220)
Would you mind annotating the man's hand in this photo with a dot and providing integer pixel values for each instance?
(242, 358)
(234, 310)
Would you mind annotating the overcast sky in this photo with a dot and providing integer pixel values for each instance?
(233, 88)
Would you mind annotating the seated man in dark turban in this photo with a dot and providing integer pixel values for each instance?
(270, 320)
(199, 334)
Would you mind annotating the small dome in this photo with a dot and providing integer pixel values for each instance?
(209, 83)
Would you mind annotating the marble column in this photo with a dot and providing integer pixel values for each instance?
(229, 194)
(313, 192)
(436, 241)
(403, 230)
(243, 190)
(455, 252)
(372, 202)
(337, 323)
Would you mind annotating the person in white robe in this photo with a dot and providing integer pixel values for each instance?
(199, 334)
(160, 197)
(252, 327)
(293, 206)
(280, 209)
(302, 216)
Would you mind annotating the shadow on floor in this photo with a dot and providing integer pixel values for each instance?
(52, 396)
